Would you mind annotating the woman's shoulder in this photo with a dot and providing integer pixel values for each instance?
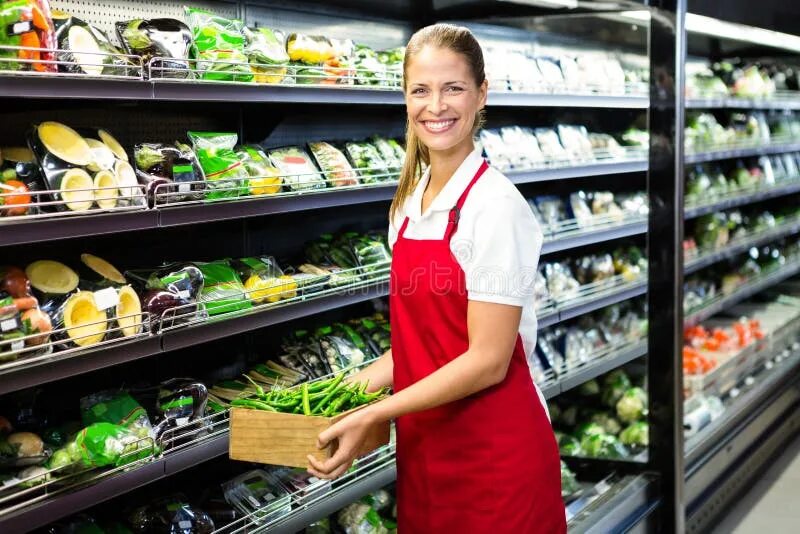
(496, 192)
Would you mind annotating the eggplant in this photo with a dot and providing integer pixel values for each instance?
(87, 50)
(168, 40)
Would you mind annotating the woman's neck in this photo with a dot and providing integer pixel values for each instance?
(444, 163)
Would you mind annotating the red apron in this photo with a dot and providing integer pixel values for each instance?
(485, 463)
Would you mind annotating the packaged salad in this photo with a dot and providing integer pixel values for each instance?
(368, 161)
(265, 179)
(298, 170)
(222, 291)
(334, 164)
(225, 175)
(28, 24)
(266, 52)
(389, 153)
(218, 46)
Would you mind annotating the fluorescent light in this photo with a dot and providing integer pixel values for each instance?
(563, 4)
(740, 32)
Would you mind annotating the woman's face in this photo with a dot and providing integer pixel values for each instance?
(442, 99)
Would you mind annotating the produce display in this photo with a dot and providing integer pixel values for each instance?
(717, 230)
(707, 183)
(85, 49)
(741, 78)
(585, 209)
(562, 348)
(523, 148)
(604, 418)
(706, 131)
(31, 27)
(726, 277)
(162, 43)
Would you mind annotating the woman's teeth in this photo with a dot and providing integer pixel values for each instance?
(438, 126)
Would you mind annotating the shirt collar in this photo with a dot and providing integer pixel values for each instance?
(451, 192)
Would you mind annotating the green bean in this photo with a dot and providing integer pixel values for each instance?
(306, 403)
(253, 404)
(336, 405)
(259, 389)
(332, 389)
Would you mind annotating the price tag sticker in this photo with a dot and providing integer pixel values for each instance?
(269, 497)
(184, 294)
(9, 324)
(106, 298)
(185, 525)
(21, 27)
(17, 345)
(184, 188)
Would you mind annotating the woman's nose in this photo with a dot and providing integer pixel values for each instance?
(436, 103)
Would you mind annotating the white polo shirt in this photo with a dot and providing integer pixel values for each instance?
(497, 242)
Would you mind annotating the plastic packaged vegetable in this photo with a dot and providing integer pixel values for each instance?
(84, 49)
(118, 408)
(264, 178)
(389, 153)
(334, 164)
(266, 51)
(309, 49)
(158, 165)
(257, 494)
(172, 514)
(264, 281)
(550, 145)
(225, 174)
(102, 444)
(367, 159)
(28, 24)
(297, 168)
(168, 40)
(170, 292)
(223, 291)
(218, 46)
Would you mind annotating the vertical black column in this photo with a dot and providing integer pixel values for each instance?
(665, 249)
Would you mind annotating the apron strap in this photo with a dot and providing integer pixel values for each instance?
(455, 213)
(402, 231)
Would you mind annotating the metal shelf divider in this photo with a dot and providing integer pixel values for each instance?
(740, 200)
(713, 155)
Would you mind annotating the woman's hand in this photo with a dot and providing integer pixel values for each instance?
(351, 433)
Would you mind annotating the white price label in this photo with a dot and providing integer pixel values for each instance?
(185, 525)
(184, 188)
(106, 298)
(8, 324)
(17, 345)
(21, 27)
(180, 421)
(184, 294)
(269, 497)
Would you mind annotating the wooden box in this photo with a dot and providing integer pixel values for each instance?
(287, 439)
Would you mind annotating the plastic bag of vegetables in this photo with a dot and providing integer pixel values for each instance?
(299, 172)
(102, 444)
(218, 46)
(391, 153)
(223, 291)
(167, 40)
(334, 164)
(225, 175)
(85, 49)
(169, 172)
(266, 51)
(170, 294)
(118, 408)
(265, 179)
(367, 159)
(264, 280)
(28, 24)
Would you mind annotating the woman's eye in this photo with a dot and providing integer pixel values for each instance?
(417, 91)
(454, 89)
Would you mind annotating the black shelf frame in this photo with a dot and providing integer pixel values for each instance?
(72, 226)
(692, 212)
(714, 155)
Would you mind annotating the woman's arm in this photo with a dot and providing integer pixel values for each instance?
(493, 330)
(379, 374)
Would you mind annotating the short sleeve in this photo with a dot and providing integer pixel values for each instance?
(502, 256)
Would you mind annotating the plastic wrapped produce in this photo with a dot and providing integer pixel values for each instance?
(266, 51)
(225, 175)
(223, 291)
(551, 147)
(560, 282)
(169, 172)
(334, 165)
(297, 168)
(257, 494)
(575, 140)
(264, 178)
(496, 149)
(603, 205)
(167, 40)
(552, 211)
(27, 24)
(218, 45)
(371, 166)
(522, 147)
(84, 49)
(579, 203)
(171, 514)
(391, 153)
(605, 146)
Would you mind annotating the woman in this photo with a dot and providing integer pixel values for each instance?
(475, 450)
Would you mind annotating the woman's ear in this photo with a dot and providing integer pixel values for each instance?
(484, 92)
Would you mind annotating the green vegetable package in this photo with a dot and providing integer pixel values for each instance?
(218, 46)
(224, 172)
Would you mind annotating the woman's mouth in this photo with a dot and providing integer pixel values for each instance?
(438, 126)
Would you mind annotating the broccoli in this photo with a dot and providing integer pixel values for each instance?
(590, 388)
(614, 385)
(603, 446)
(589, 429)
(632, 406)
(609, 423)
(636, 434)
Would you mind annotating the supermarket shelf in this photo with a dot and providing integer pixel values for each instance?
(74, 500)
(565, 100)
(580, 171)
(177, 214)
(590, 304)
(625, 505)
(713, 155)
(38, 230)
(590, 236)
(300, 518)
(23, 374)
(742, 103)
(207, 91)
(56, 228)
(598, 367)
(741, 246)
(741, 200)
(211, 330)
(745, 291)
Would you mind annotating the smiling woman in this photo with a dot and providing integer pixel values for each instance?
(475, 449)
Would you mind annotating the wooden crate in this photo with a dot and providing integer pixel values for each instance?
(287, 439)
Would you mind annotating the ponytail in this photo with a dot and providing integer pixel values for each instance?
(416, 156)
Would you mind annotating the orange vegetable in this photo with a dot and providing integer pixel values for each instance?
(711, 344)
(21, 199)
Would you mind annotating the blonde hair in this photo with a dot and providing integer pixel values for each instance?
(461, 41)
